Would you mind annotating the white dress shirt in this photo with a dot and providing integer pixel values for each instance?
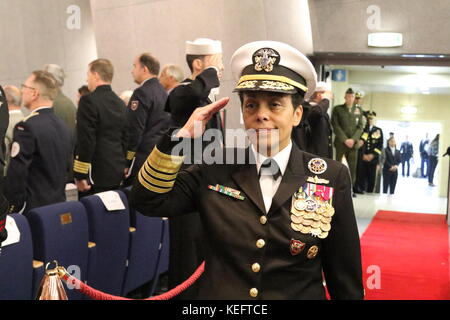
(268, 185)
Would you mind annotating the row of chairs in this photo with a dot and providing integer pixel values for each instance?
(112, 251)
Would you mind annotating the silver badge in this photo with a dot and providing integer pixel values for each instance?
(317, 166)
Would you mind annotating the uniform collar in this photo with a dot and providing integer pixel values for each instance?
(42, 109)
(104, 87)
(147, 80)
(281, 158)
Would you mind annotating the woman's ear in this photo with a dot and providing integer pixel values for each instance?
(298, 113)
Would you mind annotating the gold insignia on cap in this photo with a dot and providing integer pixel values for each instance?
(265, 59)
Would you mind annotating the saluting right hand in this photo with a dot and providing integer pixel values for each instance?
(196, 124)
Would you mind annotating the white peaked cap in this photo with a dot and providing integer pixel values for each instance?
(273, 66)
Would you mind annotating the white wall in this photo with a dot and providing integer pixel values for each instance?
(34, 33)
(126, 28)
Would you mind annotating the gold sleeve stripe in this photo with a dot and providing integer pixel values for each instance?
(156, 182)
(130, 155)
(81, 167)
(159, 175)
(377, 151)
(365, 136)
(148, 186)
(164, 163)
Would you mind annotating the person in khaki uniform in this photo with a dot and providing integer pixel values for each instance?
(348, 125)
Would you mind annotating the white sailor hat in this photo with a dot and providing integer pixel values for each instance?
(203, 47)
(273, 66)
(322, 86)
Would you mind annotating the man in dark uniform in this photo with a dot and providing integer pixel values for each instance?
(314, 131)
(371, 151)
(277, 222)
(102, 137)
(348, 125)
(204, 58)
(147, 120)
(41, 150)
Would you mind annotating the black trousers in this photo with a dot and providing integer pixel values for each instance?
(433, 161)
(405, 161)
(368, 175)
(389, 181)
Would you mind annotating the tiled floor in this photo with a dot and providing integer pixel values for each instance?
(411, 195)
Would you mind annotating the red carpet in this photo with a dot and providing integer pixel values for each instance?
(411, 253)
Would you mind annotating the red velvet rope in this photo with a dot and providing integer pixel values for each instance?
(98, 295)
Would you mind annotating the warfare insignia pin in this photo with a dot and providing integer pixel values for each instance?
(265, 59)
(317, 166)
(296, 247)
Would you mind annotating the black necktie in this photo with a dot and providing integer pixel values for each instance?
(270, 168)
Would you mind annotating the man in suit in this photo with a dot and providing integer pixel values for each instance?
(390, 166)
(147, 120)
(204, 58)
(102, 134)
(259, 213)
(407, 151)
(41, 150)
(370, 152)
(315, 127)
(348, 125)
(424, 157)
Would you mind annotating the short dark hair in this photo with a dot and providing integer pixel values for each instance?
(104, 68)
(297, 98)
(47, 83)
(83, 90)
(150, 62)
(190, 60)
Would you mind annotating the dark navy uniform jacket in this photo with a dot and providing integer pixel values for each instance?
(147, 121)
(248, 251)
(40, 158)
(191, 94)
(102, 138)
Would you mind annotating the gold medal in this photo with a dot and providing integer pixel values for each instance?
(305, 230)
(307, 222)
(316, 232)
(309, 216)
(296, 219)
(297, 213)
(296, 227)
(323, 235)
(315, 225)
(325, 219)
(325, 227)
(316, 217)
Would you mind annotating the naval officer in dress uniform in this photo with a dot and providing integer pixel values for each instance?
(204, 58)
(279, 221)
